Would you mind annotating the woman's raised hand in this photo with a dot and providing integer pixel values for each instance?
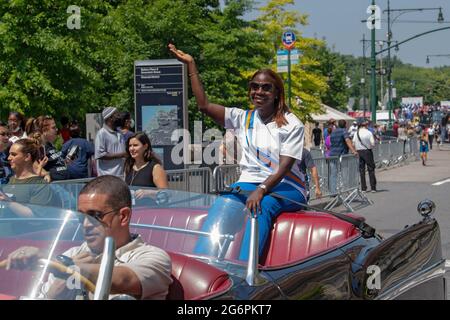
(180, 55)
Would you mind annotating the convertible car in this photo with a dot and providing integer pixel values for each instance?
(309, 254)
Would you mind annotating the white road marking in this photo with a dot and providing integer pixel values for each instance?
(441, 182)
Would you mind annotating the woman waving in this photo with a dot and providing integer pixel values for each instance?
(272, 141)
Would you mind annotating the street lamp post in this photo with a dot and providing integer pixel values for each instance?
(373, 65)
(436, 55)
(389, 38)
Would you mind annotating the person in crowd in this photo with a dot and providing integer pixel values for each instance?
(5, 168)
(352, 130)
(16, 125)
(306, 163)
(395, 127)
(64, 131)
(272, 141)
(444, 122)
(330, 124)
(140, 270)
(364, 142)
(402, 135)
(110, 145)
(55, 167)
(142, 166)
(317, 135)
(22, 156)
(431, 132)
(340, 140)
(410, 131)
(33, 125)
(126, 125)
(424, 147)
(340, 145)
(77, 151)
(327, 142)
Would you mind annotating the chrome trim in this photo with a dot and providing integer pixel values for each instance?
(104, 279)
(431, 272)
(191, 232)
(253, 277)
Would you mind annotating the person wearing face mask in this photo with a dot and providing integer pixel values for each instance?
(126, 124)
(5, 168)
(110, 145)
(16, 125)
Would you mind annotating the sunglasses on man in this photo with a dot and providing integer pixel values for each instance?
(97, 215)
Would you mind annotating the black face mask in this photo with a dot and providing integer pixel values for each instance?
(117, 122)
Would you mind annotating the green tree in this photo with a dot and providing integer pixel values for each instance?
(307, 81)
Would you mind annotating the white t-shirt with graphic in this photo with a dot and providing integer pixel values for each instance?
(263, 144)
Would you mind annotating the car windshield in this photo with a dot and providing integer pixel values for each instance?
(198, 225)
(41, 236)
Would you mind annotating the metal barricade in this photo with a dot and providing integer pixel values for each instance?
(198, 180)
(225, 175)
(317, 152)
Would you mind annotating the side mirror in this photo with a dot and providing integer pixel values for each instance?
(426, 208)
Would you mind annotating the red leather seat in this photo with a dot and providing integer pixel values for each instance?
(191, 219)
(297, 236)
(194, 280)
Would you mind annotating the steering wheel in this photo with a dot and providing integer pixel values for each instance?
(63, 269)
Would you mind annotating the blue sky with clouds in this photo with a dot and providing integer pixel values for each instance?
(339, 22)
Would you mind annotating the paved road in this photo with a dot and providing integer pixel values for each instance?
(401, 189)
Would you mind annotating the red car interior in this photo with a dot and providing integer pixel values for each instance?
(297, 236)
(193, 279)
(294, 237)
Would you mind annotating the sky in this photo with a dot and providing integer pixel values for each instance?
(339, 22)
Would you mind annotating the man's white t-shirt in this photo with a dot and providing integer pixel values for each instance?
(363, 139)
(263, 144)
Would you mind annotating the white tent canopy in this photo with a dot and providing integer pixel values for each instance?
(331, 113)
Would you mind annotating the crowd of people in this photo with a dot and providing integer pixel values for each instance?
(273, 172)
(28, 152)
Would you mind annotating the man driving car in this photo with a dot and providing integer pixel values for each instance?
(140, 270)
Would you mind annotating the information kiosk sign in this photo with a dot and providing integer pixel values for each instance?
(161, 104)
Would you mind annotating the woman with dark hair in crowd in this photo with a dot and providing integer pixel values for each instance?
(16, 125)
(54, 166)
(26, 186)
(142, 166)
(77, 152)
(271, 137)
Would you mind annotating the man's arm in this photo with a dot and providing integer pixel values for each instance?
(123, 280)
(112, 156)
(350, 146)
